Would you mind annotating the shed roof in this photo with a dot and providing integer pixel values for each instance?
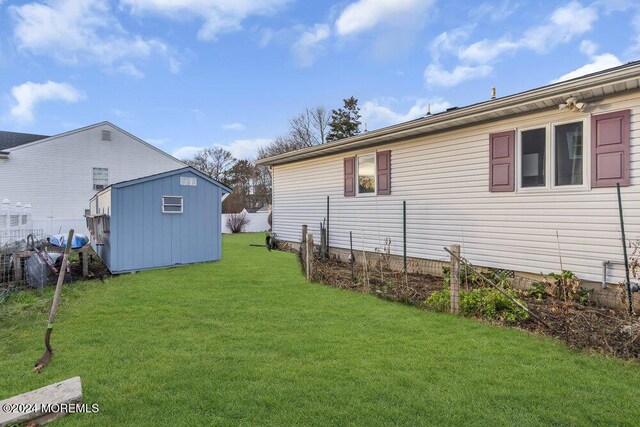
(587, 88)
(130, 182)
(15, 139)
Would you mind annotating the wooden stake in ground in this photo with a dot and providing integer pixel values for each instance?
(309, 255)
(454, 285)
(46, 357)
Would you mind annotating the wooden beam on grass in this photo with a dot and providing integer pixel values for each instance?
(43, 405)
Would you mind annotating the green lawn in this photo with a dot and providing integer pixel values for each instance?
(248, 341)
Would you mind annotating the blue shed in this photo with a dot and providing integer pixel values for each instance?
(162, 220)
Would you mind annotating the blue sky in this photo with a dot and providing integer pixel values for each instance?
(184, 74)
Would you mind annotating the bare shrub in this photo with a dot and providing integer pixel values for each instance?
(237, 222)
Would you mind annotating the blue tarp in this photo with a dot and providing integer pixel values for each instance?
(78, 241)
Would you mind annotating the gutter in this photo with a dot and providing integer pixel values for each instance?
(620, 75)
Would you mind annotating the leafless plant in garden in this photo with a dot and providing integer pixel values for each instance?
(237, 222)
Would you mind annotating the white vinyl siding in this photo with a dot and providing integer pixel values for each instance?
(59, 205)
(444, 178)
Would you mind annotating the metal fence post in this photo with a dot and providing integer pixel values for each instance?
(404, 233)
(303, 243)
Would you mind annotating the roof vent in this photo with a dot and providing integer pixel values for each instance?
(428, 110)
(106, 135)
(493, 92)
(451, 109)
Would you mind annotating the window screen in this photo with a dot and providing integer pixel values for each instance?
(100, 178)
(568, 151)
(172, 204)
(533, 158)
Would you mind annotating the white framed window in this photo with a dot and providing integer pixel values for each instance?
(366, 173)
(533, 158)
(172, 204)
(568, 154)
(553, 156)
(100, 178)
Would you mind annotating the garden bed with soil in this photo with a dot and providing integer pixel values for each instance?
(582, 326)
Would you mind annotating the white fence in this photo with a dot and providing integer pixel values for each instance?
(258, 221)
(15, 221)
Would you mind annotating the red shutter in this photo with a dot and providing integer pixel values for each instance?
(383, 172)
(610, 149)
(502, 161)
(349, 176)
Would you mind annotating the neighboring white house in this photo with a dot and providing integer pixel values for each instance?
(499, 178)
(57, 175)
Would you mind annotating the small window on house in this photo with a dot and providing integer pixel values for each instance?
(172, 204)
(533, 158)
(367, 174)
(568, 154)
(100, 178)
(106, 135)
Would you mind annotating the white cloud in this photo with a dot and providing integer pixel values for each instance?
(240, 148)
(218, 16)
(376, 113)
(121, 114)
(130, 70)
(158, 141)
(495, 11)
(186, 152)
(564, 24)
(246, 148)
(309, 44)
(174, 65)
(438, 76)
(635, 23)
(234, 126)
(598, 63)
(486, 50)
(364, 15)
(588, 47)
(449, 41)
(76, 30)
(28, 95)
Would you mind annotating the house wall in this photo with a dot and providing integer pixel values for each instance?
(56, 176)
(444, 179)
(143, 237)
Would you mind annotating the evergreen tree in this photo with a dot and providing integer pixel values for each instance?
(345, 121)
